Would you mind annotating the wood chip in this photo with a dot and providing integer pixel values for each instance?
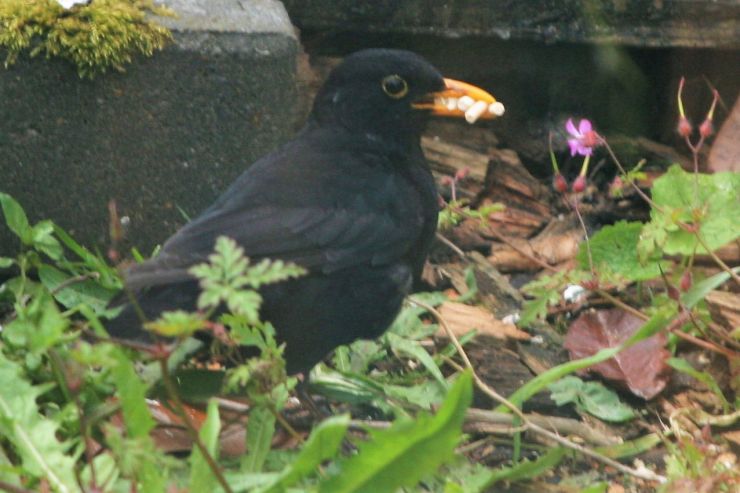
(464, 318)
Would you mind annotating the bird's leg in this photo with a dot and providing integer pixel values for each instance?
(304, 395)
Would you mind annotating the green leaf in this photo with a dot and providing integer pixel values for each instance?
(44, 241)
(132, 394)
(657, 322)
(178, 323)
(711, 201)
(700, 289)
(77, 292)
(201, 475)
(528, 469)
(413, 349)
(16, 218)
(6, 262)
(33, 436)
(706, 378)
(407, 451)
(323, 444)
(614, 253)
(260, 428)
(592, 397)
(137, 417)
(596, 488)
(37, 326)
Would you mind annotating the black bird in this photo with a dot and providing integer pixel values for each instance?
(351, 199)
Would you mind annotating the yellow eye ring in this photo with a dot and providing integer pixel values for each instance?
(395, 86)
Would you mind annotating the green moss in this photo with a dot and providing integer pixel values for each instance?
(96, 37)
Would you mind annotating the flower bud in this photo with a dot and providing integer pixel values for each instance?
(673, 293)
(686, 281)
(559, 183)
(684, 127)
(706, 128)
(462, 173)
(446, 181)
(616, 187)
(579, 185)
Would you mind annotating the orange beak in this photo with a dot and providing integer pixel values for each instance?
(462, 100)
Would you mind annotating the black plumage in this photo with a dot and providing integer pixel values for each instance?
(351, 199)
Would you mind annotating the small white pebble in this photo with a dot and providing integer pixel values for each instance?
(464, 103)
(573, 293)
(537, 340)
(475, 111)
(511, 318)
(496, 108)
(125, 221)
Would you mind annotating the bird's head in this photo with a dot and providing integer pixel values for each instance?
(390, 93)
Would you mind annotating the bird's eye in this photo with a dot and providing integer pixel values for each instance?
(395, 86)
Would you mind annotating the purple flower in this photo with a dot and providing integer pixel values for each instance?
(584, 138)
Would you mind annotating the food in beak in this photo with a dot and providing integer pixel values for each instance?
(460, 99)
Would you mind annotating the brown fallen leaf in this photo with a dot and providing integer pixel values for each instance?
(641, 368)
(725, 152)
(557, 243)
(464, 318)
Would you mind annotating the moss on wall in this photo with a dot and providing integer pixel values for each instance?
(96, 37)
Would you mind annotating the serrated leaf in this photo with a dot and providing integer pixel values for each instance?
(37, 326)
(245, 303)
(177, 323)
(201, 475)
(614, 253)
(407, 451)
(16, 218)
(323, 444)
(716, 197)
(270, 271)
(132, 395)
(33, 436)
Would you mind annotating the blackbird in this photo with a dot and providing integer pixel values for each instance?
(350, 199)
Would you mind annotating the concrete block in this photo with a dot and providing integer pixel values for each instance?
(164, 138)
(665, 23)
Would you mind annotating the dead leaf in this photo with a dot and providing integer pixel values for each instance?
(725, 308)
(732, 436)
(641, 368)
(725, 152)
(464, 318)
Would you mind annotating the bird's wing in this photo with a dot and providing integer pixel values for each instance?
(321, 233)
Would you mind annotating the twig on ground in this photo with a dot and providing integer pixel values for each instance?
(451, 246)
(641, 473)
(74, 280)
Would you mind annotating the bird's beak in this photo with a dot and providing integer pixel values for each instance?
(460, 99)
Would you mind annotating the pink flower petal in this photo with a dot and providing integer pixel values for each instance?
(574, 146)
(571, 128)
(584, 126)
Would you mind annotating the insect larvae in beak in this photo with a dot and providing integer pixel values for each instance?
(496, 109)
(464, 103)
(475, 111)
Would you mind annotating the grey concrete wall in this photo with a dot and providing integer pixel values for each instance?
(167, 135)
(664, 23)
